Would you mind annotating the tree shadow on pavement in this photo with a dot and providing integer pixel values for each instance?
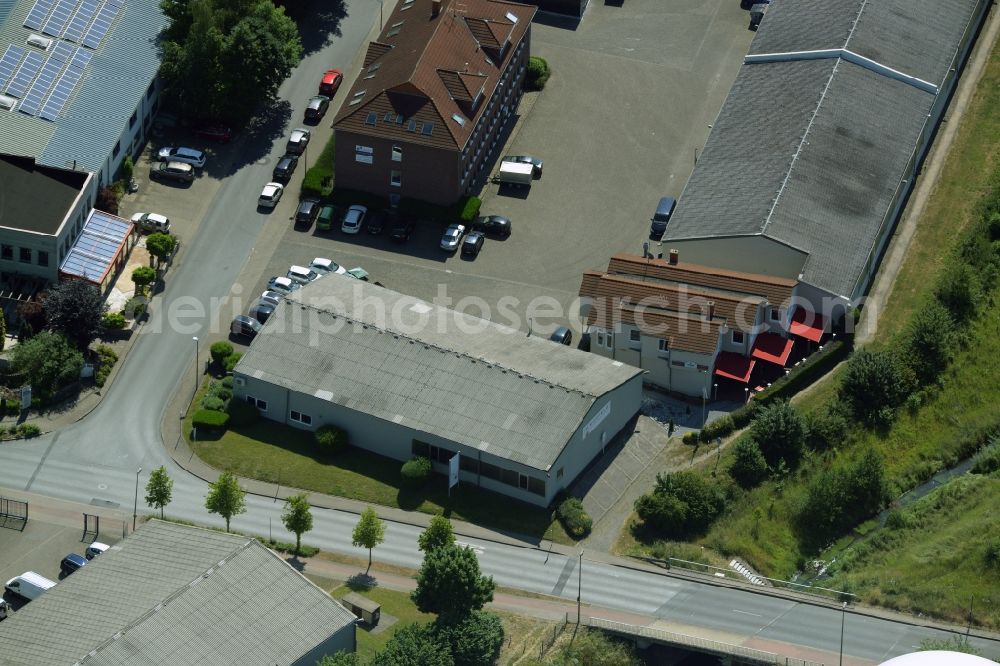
(361, 582)
(318, 21)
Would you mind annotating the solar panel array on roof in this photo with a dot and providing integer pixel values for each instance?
(60, 16)
(81, 59)
(101, 24)
(25, 73)
(81, 19)
(33, 100)
(96, 248)
(61, 52)
(37, 14)
(11, 57)
(60, 94)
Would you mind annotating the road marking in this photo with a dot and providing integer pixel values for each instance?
(737, 610)
(478, 550)
(41, 462)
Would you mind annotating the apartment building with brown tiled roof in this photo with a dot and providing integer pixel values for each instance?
(435, 91)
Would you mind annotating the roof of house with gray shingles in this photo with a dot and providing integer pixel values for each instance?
(173, 594)
(810, 152)
(432, 369)
(113, 84)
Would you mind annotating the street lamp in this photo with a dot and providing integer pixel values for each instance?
(579, 587)
(715, 391)
(135, 506)
(843, 614)
(197, 373)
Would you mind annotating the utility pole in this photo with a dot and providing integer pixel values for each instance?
(579, 587)
(843, 615)
(135, 506)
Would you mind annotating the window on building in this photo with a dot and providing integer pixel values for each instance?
(7, 252)
(299, 417)
(633, 335)
(661, 345)
(600, 339)
(261, 405)
(25, 255)
(43, 258)
(737, 337)
(397, 153)
(469, 464)
(396, 178)
(536, 486)
(135, 117)
(559, 474)
(608, 342)
(117, 149)
(775, 314)
(522, 481)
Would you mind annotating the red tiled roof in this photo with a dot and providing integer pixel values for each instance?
(432, 68)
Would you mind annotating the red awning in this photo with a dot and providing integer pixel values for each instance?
(772, 348)
(734, 366)
(808, 325)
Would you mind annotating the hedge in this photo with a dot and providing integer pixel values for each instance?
(574, 518)
(331, 438)
(231, 361)
(470, 209)
(538, 73)
(211, 420)
(416, 470)
(219, 351)
(113, 321)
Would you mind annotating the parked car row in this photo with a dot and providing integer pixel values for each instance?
(30, 585)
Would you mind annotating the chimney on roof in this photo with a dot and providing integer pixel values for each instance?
(435, 8)
(710, 307)
(674, 256)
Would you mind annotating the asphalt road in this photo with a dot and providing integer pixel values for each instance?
(95, 460)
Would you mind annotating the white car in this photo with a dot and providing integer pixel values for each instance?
(354, 219)
(323, 265)
(302, 275)
(153, 222)
(270, 195)
(195, 158)
(452, 237)
(283, 285)
(95, 549)
(297, 141)
(272, 297)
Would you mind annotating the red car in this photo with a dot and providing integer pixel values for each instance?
(331, 81)
(215, 132)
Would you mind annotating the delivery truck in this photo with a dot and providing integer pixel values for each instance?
(29, 585)
(515, 173)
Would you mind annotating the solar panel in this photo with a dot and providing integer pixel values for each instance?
(80, 21)
(25, 73)
(60, 15)
(61, 93)
(37, 14)
(101, 25)
(81, 58)
(61, 52)
(8, 63)
(40, 88)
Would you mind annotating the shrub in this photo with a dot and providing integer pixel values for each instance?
(842, 497)
(987, 461)
(227, 381)
(113, 321)
(576, 521)
(874, 384)
(538, 73)
(780, 432)
(242, 414)
(331, 438)
(928, 341)
(474, 641)
(413, 644)
(135, 307)
(827, 427)
(106, 359)
(959, 290)
(416, 470)
(992, 554)
(28, 430)
(220, 391)
(720, 427)
(48, 360)
(593, 647)
(231, 361)
(213, 404)
(219, 351)
(749, 466)
(210, 420)
(817, 365)
(690, 438)
(681, 504)
(471, 209)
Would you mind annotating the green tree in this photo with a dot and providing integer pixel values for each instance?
(219, 351)
(368, 533)
(438, 534)
(297, 517)
(48, 360)
(143, 276)
(681, 504)
(929, 341)
(839, 498)
(749, 466)
(159, 489)
(414, 645)
(76, 309)
(160, 246)
(780, 432)
(449, 583)
(474, 641)
(959, 290)
(342, 658)
(874, 384)
(226, 498)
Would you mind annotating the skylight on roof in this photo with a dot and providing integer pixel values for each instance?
(511, 17)
(458, 118)
(373, 69)
(356, 99)
(396, 27)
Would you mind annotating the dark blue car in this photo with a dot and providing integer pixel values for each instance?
(71, 563)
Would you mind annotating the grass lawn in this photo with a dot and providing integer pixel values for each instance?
(280, 454)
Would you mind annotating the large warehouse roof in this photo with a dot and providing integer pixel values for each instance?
(172, 594)
(435, 370)
(811, 149)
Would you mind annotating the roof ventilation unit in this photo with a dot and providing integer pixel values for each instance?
(41, 42)
(7, 102)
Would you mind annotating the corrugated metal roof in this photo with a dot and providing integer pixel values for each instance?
(113, 84)
(172, 594)
(96, 248)
(404, 360)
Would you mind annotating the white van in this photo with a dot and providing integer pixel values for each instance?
(29, 585)
(95, 549)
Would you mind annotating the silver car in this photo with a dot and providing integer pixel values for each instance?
(297, 141)
(195, 158)
(452, 237)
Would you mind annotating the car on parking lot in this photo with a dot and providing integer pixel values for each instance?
(283, 285)
(324, 221)
(316, 108)
(658, 223)
(195, 158)
(401, 229)
(562, 335)
(179, 171)
(452, 237)
(536, 164)
(214, 131)
(324, 265)
(298, 140)
(152, 222)
(497, 226)
(271, 296)
(358, 273)
(353, 219)
(473, 243)
(244, 326)
(270, 195)
(285, 167)
(71, 563)
(302, 275)
(306, 213)
(330, 82)
(376, 221)
(4, 608)
(262, 309)
(95, 549)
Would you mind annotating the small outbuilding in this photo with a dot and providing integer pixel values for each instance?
(364, 608)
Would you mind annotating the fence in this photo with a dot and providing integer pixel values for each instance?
(549, 639)
(698, 644)
(708, 569)
(13, 511)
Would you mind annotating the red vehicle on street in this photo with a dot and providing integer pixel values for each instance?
(330, 82)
